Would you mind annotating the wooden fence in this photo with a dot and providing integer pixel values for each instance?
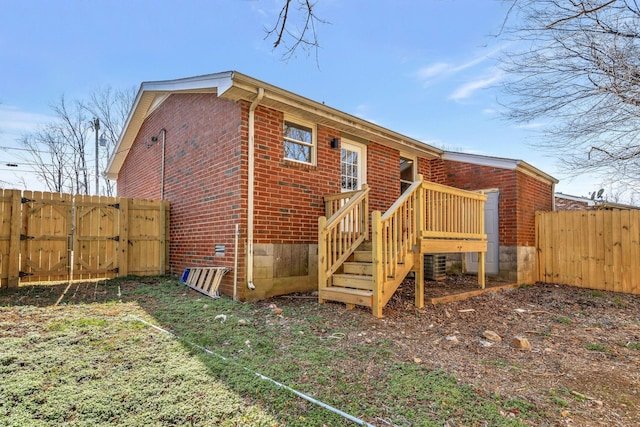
(590, 249)
(48, 237)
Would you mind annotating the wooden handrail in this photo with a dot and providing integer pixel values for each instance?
(452, 213)
(341, 234)
(396, 234)
(333, 202)
(424, 210)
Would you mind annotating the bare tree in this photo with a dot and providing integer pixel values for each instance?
(111, 107)
(50, 156)
(61, 151)
(574, 68)
(302, 33)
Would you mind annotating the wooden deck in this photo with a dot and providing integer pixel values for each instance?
(427, 218)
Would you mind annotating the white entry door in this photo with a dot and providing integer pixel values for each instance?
(352, 165)
(492, 258)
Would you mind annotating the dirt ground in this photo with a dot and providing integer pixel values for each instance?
(583, 368)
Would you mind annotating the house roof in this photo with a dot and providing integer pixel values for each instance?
(595, 203)
(500, 162)
(581, 199)
(236, 86)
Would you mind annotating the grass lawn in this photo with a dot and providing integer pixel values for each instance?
(89, 361)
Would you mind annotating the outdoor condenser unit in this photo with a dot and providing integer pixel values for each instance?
(435, 267)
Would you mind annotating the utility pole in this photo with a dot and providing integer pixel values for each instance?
(96, 127)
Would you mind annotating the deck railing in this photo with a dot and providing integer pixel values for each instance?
(333, 202)
(398, 230)
(452, 213)
(341, 234)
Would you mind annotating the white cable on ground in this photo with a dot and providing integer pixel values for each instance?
(296, 392)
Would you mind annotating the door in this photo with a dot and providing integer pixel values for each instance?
(407, 172)
(352, 166)
(492, 258)
(352, 176)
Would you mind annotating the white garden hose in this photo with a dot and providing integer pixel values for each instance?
(263, 377)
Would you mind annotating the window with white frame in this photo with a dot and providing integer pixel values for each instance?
(299, 141)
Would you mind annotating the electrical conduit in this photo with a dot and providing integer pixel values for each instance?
(251, 186)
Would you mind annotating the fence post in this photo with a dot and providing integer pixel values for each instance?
(162, 236)
(123, 240)
(322, 257)
(13, 279)
(378, 274)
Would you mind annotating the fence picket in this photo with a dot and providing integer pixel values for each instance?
(595, 250)
(41, 229)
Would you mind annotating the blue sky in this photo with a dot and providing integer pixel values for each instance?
(424, 68)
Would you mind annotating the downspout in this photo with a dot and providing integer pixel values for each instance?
(164, 139)
(251, 186)
(553, 196)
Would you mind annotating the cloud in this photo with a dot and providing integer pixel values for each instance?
(427, 73)
(440, 70)
(363, 111)
(467, 90)
(15, 122)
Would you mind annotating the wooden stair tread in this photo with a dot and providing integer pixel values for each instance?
(347, 295)
(351, 291)
(354, 276)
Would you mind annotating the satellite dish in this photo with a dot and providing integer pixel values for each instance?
(600, 191)
(593, 195)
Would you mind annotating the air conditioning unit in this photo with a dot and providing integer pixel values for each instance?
(435, 267)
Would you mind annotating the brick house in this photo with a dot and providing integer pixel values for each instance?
(226, 149)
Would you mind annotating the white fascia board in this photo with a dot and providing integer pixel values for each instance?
(340, 119)
(475, 159)
(581, 199)
(150, 96)
(218, 81)
(501, 163)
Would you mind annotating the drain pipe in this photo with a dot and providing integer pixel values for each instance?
(235, 263)
(164, 140)
(251, 186)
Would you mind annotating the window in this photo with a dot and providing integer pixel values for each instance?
(299, 143)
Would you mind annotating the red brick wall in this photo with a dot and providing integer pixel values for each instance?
(436, 170)
(474, 177)
(203, 170)
(520, 196)
(533, 195)
(289, 195)
(383, 176)
(206, 178)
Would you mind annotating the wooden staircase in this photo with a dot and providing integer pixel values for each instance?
(427, 218)
(354, 284)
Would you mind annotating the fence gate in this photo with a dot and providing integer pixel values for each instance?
(52, 237)
(45, 236)
(95, 237)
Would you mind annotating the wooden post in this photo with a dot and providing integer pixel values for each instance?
(123, 238)
(14, 243)
(481, 269)
(419, 270)
(365, 213)
(378, 274)
(481, 255)
(162, 236)
(322, 257)
(419, 264)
